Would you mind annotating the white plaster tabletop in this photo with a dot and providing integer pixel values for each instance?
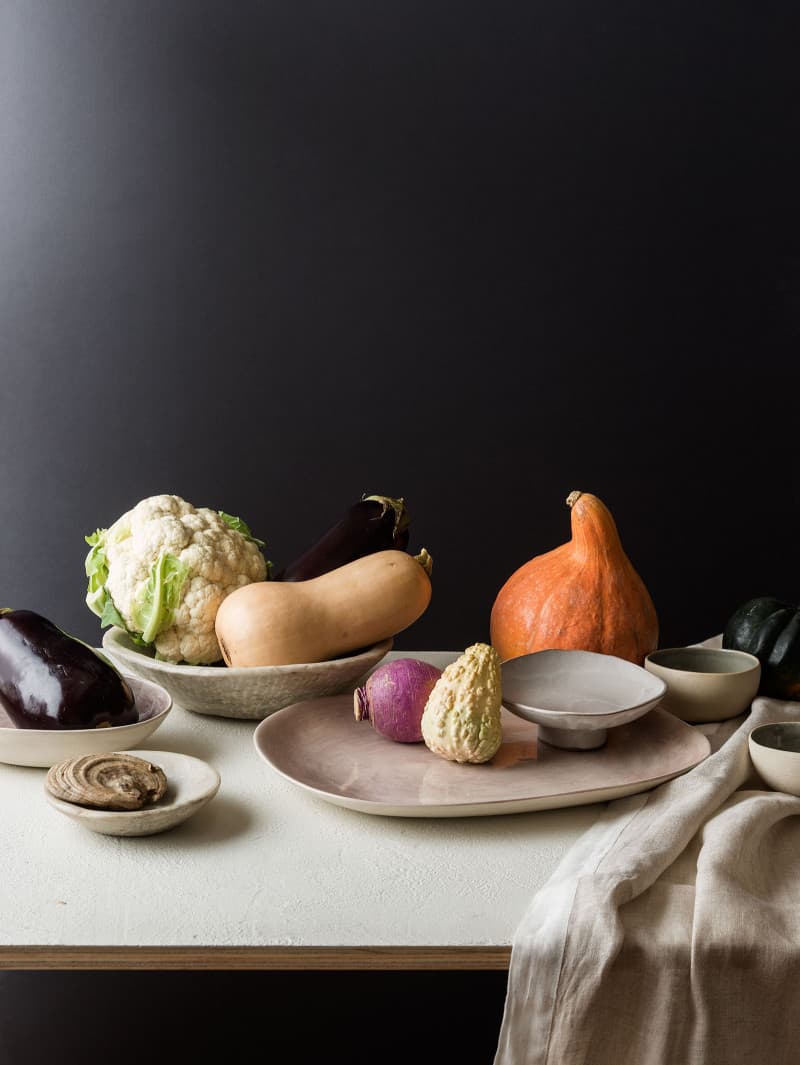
(267, 876)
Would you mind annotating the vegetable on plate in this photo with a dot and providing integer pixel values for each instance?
(50, 680)
(281, 622)
(374, 523)
(162, 570)
(462, 720)
(584, 595)
(394, 697)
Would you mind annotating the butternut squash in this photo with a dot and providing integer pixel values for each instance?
(274, 623)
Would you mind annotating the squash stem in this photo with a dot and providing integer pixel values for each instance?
(573, 498)
(425, 561)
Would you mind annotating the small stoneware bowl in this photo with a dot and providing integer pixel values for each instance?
(191, 783)
(775, 752)
(575, 697)
(705, 683)
(45, 747)
(255, 692)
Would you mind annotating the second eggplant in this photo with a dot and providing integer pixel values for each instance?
(374, 523)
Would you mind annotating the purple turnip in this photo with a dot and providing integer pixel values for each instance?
(394, 698)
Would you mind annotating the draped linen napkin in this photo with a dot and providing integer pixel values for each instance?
(670, 932)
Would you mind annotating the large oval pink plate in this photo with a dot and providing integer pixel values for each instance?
(319, 746)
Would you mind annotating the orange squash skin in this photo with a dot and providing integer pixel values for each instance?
(584, 595)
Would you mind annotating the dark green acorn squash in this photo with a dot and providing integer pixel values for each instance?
(770, 630)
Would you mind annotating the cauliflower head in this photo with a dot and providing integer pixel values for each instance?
(162, 570)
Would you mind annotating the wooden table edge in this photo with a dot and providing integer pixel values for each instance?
(283, 958)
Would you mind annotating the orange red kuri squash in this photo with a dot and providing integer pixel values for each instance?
(584, 595)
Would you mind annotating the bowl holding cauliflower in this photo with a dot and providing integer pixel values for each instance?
(157, 577)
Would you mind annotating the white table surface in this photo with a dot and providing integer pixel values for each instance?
(265, 865)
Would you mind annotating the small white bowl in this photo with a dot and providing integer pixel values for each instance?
(45, 747)
(705, 683)
(775, 752)
(253, 693)
(576, 696)
(191, 783)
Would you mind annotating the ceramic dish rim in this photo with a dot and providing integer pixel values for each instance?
(754, 661)
(439, 806)
(603, 715)
(145, 812)
(751, 736)
(604, 719)
(176, 669)
(492, 807)
(115, 730)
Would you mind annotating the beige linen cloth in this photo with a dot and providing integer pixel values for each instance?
(670, 933)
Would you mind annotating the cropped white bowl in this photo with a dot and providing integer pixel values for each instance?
(45, 747)
(775, 752)
(254, 692)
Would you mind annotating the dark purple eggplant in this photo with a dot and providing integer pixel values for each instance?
(375, 523)
(49, 680)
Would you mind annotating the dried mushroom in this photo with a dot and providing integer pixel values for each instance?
(107, 781)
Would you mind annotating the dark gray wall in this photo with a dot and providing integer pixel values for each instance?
(272, 255)
(269, 256)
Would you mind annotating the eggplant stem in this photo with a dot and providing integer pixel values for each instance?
(401, 519)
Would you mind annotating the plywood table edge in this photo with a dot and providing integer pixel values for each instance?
(275, 958)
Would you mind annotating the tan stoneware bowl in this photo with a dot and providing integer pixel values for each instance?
(775, 752)
(253, 693)
(705, 683)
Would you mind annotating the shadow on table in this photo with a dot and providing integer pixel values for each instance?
(521, 827)
(224, 818)
(193, 745)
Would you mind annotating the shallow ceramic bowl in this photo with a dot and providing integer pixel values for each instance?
(775, 752)
(705, 683)
(254, 692)
(45, 747)
(575, 697)
(191, 783)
